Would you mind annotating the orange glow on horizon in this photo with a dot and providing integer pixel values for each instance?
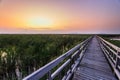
(27, 19)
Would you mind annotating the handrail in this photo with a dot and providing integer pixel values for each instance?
(112, 54)
(73, 55)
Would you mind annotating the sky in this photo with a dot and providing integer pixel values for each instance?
(60, 16)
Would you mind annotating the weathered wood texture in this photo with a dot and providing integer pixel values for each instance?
(94, 66)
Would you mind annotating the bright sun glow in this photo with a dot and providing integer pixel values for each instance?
(39, 22)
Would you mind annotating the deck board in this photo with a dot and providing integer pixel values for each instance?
(94, 65)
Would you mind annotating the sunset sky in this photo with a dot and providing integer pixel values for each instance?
(60, 16)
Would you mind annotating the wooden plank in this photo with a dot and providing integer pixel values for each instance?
(94, 66)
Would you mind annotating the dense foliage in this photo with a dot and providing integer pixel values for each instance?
(115, 42)
(20, 55)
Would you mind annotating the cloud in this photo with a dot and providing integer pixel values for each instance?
(39, 29)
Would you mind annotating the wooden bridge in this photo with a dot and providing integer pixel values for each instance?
(93, 59)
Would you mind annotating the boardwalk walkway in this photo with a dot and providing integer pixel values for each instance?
(94, 66)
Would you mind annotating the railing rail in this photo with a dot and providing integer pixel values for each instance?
(72, 59)
(112, 53)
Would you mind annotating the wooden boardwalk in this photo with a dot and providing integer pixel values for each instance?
(94, 65)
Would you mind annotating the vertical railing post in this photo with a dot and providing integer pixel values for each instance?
(60, 76)
(49, 76)
(117, 59)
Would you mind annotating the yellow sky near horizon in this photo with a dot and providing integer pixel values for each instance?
(21, 18)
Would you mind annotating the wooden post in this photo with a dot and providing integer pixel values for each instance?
(60, 76)
(117, 58)
(49, 76)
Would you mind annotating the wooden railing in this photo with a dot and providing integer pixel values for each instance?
(112, 54)
(66, 63)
